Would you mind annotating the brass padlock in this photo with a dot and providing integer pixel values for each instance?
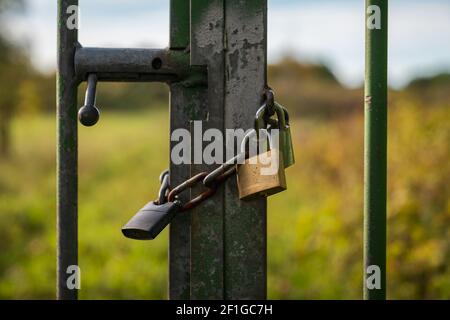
(262, 174)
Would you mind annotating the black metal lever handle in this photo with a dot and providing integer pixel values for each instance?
(88, 115)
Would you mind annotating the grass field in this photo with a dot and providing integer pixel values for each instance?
(314, 228)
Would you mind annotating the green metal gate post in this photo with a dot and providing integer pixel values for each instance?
(207, 224)
(67, 216)
(219, 250)
(375, 150)
(245, 222)
(181, 99)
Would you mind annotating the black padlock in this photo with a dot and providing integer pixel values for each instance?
(151, 220)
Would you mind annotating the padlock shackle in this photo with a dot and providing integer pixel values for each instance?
(281, 116)
(262, 119)
(164, 189)
(260, 116)
(286, 114)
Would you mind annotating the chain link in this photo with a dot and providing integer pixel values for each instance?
(189, 184)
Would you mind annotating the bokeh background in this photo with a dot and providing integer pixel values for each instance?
(316, 54)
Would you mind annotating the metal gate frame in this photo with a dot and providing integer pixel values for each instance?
(216, 69)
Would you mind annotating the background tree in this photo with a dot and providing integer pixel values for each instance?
(13, 67)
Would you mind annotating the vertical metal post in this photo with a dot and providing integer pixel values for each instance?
(207, 244)
(183, 100)
(218, 251)
(375, 153)
(228, 236)
(245, 221)
(67, 228)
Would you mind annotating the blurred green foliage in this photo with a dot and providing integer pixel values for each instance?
(14, 67)
(314, 228)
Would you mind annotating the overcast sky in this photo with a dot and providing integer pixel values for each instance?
(329, 31)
